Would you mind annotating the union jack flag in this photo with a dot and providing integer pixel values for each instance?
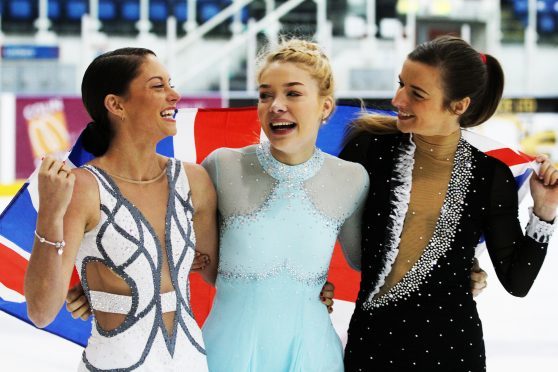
(200, 132)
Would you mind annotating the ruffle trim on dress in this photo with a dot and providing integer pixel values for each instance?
(402, 176)
(444, 232)
(539, 230)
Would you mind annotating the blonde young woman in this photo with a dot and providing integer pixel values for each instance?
(133, 252)
(282, 205)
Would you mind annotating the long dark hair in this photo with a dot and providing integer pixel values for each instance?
(109, 73)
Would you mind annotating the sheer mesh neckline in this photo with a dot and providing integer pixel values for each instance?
(283, 172)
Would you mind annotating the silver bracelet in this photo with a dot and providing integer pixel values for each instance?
(58, 245)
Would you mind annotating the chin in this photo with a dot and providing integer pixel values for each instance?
(280, 146)
(404, 128)
(170, 130)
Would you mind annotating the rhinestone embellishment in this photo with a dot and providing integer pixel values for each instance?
(444, 232)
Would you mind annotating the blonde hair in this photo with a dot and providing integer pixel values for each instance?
(305, 53)
(371, 123)
(376, 124)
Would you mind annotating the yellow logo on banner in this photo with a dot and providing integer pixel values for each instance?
(46, 125)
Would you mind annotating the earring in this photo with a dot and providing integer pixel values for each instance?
(324, 120)
(122, 117)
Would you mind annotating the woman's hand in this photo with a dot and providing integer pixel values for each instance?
(544, 189)
(326, 296)
(56, 184)
(201, 260)
(478, 279)
(77, 304)
(50, 267)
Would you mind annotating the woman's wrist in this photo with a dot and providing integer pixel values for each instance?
(545, 213)
(51, 228)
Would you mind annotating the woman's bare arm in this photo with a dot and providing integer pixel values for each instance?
(204, 199)
(66, 200)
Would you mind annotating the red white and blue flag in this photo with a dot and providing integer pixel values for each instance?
(200, 132)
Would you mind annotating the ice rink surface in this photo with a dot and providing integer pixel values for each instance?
(521, 334)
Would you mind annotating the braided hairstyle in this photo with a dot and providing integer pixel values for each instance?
(305, 54)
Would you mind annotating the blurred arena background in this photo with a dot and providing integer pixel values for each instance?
(210, 47)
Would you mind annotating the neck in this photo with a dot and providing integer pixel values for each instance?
(440, 139)
(292, 158)
(437, 147)
(132, 160)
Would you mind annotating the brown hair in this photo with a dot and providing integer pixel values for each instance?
(109, 73)
(465, 73)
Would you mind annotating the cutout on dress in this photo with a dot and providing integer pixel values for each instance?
(108, 291)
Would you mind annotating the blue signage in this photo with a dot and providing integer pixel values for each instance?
(30, 52)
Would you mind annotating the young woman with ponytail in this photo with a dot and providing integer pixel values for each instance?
(432, 195)
(130, 220)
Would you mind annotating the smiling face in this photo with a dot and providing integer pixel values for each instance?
(290, 110)
(150, 104)
(419, 101)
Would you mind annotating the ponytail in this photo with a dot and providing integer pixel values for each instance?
(465, 73)
(487, 99)
(96, 138)
(109, 73)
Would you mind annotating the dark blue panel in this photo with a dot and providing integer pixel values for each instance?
(107, 10)
(17, 221)
(208, 10)
(244, 15)
(332, 133)
(20, 10)
(78, 155)
(23, 51)
(165, 147)
(54, 9)
(520, 7)
(158, 11)
(130, 10)
(181, 11)
(75, 9)
(547, 23)
(545, 6)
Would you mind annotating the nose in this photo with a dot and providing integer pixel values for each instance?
(398, 99)
(278, 106)
(174, 96)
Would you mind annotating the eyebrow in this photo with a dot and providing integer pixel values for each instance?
(157, 77)
(415, 87)
(419, 88)
(292, 84)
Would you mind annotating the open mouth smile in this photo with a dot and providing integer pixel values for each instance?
(404, 116)
(169, 113)
(282, 127)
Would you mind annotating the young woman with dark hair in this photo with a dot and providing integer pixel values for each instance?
(432, 195)
(133, 253)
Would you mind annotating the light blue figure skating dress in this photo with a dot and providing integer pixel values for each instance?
(278, 227)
